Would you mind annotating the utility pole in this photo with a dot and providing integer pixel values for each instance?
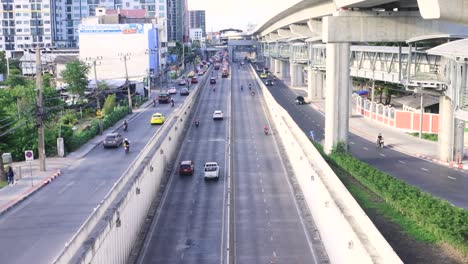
(96, 91)
(125, 57)
(40, 112)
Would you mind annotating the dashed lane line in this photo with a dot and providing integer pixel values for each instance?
(450, 177)
(424, 169)
(402, 161)
(365, 148)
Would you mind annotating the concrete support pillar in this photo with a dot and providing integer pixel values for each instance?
(283, 69)
(459, 137)
(277, 67)
(267, 62)
(337, 95)
(446, 129)
(296, 74)
(272, 65)
(315, 84)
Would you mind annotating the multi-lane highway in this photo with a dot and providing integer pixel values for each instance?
(428, 176)
(37, 230)
(193, 225)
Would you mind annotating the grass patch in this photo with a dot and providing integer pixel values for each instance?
(3, 184)
(419, 214)
(426, 136)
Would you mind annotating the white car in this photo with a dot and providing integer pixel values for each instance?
(211, 170)
(172, 90)
(218, 114)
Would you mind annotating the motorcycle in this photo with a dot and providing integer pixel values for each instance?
(197, 123)
(172, 103)
(125, 126)
(154, 103)
(126, 148)
(380, 143)
(265, 130)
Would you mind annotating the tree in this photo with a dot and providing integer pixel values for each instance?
(109, 104)
(75, 75)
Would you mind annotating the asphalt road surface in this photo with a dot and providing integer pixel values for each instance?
(37, 229)
(189, 225)
(441, 181)
(268, 225)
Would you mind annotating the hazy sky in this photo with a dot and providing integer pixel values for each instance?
(222, 14)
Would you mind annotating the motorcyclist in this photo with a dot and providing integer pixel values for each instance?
(250, 86)
(126, 145)
(242, 87)
(125, 125)
(154, 102)
(197, 121)
(379, 139)
(266, 129)
(172, 102)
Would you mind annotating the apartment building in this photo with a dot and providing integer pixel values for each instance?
(25, 23)
(54, 23)
(177, 20)
(197, 20)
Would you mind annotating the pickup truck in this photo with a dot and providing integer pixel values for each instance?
(211, 170)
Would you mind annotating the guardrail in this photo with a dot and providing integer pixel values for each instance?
(109, 232)
(348, 235)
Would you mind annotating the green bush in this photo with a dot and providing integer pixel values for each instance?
(79, 138)
(109, 104)
(437, 217)
(69, 118)
(426, 136)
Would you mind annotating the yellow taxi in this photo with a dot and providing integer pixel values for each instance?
(157, 119)
(191, 74)
(263, 75)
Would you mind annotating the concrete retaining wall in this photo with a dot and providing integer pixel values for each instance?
(347, 233)
(108, 234)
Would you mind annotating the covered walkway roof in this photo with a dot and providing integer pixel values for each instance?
(458, 48)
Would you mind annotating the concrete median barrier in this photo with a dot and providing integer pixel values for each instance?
(109, 232)
(349, 236)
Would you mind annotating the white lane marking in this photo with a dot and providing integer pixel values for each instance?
(264, 200)
(266, 211)
(274, 254)
(402, 161)
(69, 185)
(383, 155)
(424, 169)
(352, 143)
(261, 180)
(263, 190)
(271, 238)
(450, 177)
(365, 148)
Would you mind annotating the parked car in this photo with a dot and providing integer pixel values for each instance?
(112, 140)
(184, 91)
(186, 167)
(211, 170)
(164, 98)
(212, 80)
(218, 115)
(157, 119)
(172, 90)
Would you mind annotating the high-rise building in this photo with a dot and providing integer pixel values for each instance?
(177, 20)
(197, 20)
(25, 23)
(55, 22)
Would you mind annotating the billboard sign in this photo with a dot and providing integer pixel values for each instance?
(111, 29)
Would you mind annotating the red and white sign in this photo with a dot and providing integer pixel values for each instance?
(29, 155)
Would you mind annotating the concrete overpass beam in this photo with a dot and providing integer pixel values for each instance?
(363, 26)
(285, 33)
(337, 95)
(301, 30)
(446, 121)
(315, 27)
(451, 10)
(315, 84)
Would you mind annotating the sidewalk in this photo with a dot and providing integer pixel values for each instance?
(398, 140)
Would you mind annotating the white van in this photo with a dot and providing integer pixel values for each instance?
(211, 170)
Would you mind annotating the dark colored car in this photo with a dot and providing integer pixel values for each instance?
(194, 80)
(300, 100)
(112, 140)
(186, 167)
(184, 91)
(164, 98)
(269, 82)
(212, 81)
